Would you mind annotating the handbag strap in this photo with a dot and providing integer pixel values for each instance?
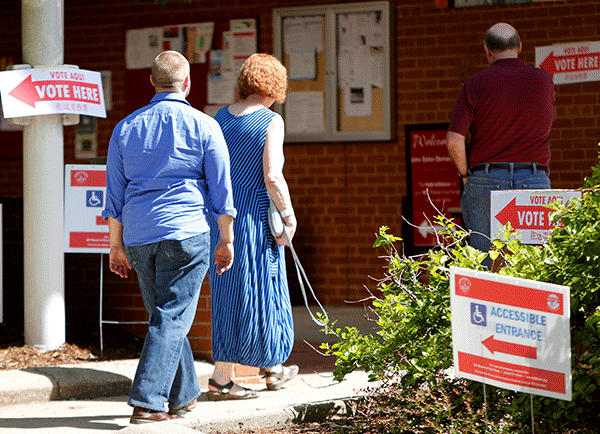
(302, 276)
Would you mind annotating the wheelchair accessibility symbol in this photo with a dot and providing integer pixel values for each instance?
(94, 198)
(478, 314)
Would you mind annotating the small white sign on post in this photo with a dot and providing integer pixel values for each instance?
(85, 195)
(511, 333)
(36, 91)
(527, 211)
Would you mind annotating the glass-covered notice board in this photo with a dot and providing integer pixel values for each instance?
(339, 67)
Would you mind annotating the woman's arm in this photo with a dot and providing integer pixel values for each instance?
(273, 175)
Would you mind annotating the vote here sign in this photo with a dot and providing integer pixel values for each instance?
(30, 92)
(575, 62)
(85, 195)
(511, 333)
(527, 211)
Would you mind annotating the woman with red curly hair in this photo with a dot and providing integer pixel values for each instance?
(251, 310)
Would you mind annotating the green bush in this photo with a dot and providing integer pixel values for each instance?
(411, 349)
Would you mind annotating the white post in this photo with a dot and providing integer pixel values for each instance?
(43, 171)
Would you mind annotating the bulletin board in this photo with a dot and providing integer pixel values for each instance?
(216, 50)
(339, 62)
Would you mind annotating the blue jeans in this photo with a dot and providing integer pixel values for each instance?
(170, 274)
(475, 200)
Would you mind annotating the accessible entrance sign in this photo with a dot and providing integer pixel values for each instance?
(85, 194)
(31, 92)
(511, 333)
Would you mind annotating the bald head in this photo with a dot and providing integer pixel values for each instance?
(502, 37)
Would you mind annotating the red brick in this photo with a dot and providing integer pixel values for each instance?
(341, 191)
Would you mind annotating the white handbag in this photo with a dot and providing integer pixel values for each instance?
(276, 222)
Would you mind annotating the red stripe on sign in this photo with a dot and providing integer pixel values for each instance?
(89, 239)
(510, 295)
(100, 221)
(88, 178)
(518, 375)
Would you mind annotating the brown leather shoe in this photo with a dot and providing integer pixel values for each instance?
(182, 410)
(143, 415)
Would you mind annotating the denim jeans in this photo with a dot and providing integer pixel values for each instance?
(475, 201)
(170, 274)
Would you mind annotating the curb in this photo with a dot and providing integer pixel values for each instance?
(60, 383)
(276, 418)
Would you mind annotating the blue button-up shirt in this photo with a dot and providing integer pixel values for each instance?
(166, 164)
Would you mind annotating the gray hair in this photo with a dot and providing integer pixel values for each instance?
(501, 37)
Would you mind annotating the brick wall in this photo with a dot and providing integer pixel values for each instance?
(342, 192)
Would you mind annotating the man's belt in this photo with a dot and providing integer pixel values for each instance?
(507, 166)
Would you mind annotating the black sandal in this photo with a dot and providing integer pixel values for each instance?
(223, 392)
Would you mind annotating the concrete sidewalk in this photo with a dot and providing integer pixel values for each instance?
(91, 397)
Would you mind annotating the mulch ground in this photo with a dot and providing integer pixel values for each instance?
(14, 354)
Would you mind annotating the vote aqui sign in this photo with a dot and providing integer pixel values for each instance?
(85, 195)
(576, 62)
(527, 211)
(36, 91)
(511, 333)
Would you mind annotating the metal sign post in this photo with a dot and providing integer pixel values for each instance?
(43, 107)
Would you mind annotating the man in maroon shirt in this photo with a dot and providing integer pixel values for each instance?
(508, 110)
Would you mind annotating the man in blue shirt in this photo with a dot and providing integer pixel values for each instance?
(167, 168)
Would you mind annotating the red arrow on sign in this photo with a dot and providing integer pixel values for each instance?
(525, 216)
(570, 63)
(509, 348)
(31, 92)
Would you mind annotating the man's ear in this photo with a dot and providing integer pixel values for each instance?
(489, 55)
(151, 80)
(186, 86)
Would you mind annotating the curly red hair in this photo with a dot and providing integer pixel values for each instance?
(263, 74)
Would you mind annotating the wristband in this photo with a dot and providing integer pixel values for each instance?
(286, 212)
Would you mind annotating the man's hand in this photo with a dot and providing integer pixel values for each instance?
(223, 256)
(119, 264)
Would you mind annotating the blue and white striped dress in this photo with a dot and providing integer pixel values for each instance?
(251, 309)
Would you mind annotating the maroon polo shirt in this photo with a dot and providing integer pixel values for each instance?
(509, 110)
